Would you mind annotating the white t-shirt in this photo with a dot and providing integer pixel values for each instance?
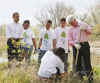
(62, 37)
(14, 30)
(49, 63)
(28, 36)
(47, 37)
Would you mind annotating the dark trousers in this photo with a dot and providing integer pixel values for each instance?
(13, 51)
(66, 62)
(28, 53)
(84, 52)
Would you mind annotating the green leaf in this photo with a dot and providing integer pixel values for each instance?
(63, 34)
(25, 35)
(46, 36)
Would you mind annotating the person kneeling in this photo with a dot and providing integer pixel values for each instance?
(52, 65)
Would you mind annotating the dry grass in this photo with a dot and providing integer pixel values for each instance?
(28, 74)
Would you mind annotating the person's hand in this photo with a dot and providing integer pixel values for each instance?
(62, 75)
(54, 77)
(77, 46)
(83, 28)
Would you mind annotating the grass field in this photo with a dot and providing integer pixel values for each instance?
(23, 74)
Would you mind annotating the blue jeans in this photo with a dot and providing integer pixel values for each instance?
(41, 54)
(28, 53)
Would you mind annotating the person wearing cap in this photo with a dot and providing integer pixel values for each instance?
(78, 38)
(47, 40)
(14, 35)
(62, 39)
(29, 41)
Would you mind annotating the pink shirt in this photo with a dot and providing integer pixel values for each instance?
(76, 35)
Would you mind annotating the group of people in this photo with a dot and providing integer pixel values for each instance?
(53, 46)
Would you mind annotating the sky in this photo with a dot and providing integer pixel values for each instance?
(29, 8)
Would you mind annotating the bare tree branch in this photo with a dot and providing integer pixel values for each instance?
(55, 13)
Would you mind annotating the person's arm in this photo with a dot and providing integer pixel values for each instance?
(33, 40)
(63, 75)
(70, 38)
(89, 31)
(86, 28)
(8, 33)
(60, 65)
(40, 43)
(62, 72)
(34, 43)
(21, 30)
(54, 43)
(54, 39)
(73, 39)
(41, 37)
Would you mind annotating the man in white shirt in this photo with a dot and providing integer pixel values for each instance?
(62, 38)
(47, 38)
(51, 62)
(14, 35)
(29, 40)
